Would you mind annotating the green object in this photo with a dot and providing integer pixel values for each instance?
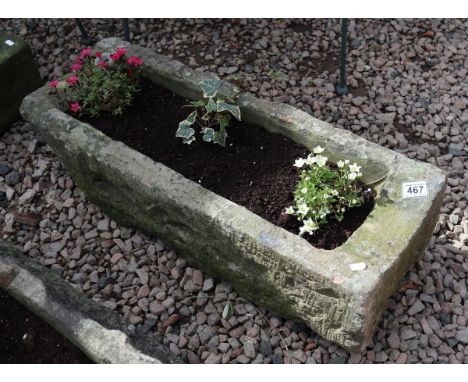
(341, 88)
(18, 77)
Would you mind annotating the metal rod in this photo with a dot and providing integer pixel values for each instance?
(85, 38)
(126, 29)
(341, 88)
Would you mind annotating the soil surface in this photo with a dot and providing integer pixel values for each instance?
(26, 338)
(254, 170)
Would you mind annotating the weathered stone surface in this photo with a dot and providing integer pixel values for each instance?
(18, 77)
(462, 336)
(265, 263)
(99, 332)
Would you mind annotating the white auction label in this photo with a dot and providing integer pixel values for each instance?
(358, 266)
(414, 189)
(9, 42)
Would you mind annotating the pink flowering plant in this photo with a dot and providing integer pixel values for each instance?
(99, 83)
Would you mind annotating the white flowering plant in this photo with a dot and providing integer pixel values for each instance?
(324, 191)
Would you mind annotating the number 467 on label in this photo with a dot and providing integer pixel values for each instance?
(414, 189)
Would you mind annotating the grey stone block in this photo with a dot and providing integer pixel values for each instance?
(18, 77)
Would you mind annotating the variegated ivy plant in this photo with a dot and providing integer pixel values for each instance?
(212, 115)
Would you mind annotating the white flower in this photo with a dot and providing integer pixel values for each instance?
(334, 192)
(304, 190)
(309, 226)
(320, 160)
(310, 160)
(299, 162)
(303, 209)
(359, 174)
(354, 201)
(319, 150)
(340, 164)
(346, 161)
(354, 168)
(352, 175)
(290, 210)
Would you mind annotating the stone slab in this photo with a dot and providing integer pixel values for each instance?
(266, 264)
(18, 77)
(98, 331)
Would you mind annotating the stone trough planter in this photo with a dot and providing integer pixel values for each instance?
(266, 264)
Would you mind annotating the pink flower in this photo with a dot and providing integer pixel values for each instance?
(85, 53)
(118, 55)
(102, 64)
(98, 54)
(72, 80)
(76, 67)
(53, 84)
(75, 106)
(135, 61)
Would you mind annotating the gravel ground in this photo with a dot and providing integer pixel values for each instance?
(408, 81)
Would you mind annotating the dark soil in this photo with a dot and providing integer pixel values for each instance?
(26, 338)
(255, 169)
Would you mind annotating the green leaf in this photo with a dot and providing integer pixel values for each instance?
(211, 106)
(199, 103)
(224, 120)
(208, 135)
(210, 87)
(277, 75)
(227, 311)
(235, 76)
(233, 109)
(230, 100)
(189, 140)
(192, 117)
(220, 137)
(185, 131)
